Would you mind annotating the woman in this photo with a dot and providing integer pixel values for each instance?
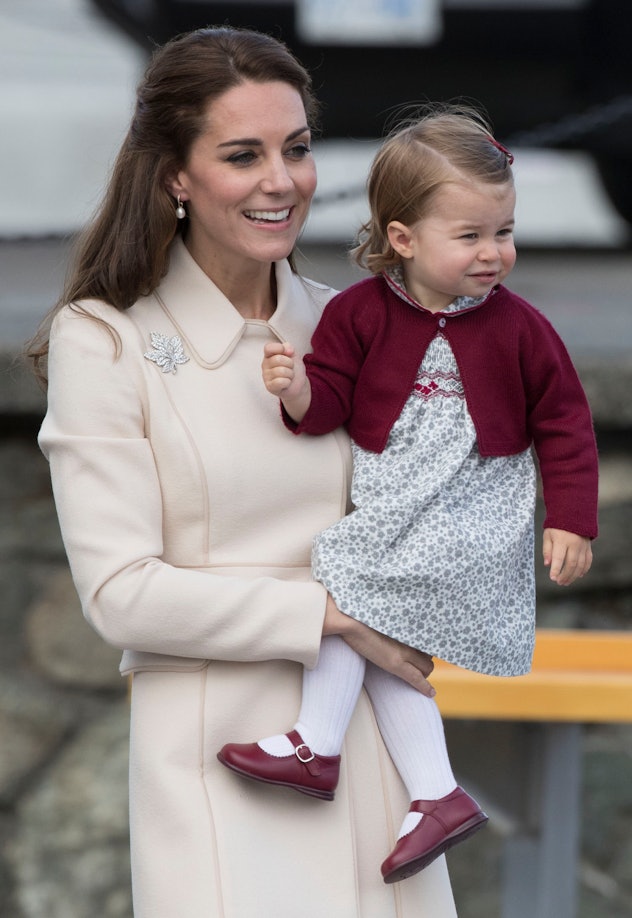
(188, 511)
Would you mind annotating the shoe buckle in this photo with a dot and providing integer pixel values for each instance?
(309, 753)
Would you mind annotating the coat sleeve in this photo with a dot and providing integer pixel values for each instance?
(560, 422)
(108, 499)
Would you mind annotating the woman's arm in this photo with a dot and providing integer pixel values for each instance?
(108, 497)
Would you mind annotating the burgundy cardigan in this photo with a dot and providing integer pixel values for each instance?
(520, 385)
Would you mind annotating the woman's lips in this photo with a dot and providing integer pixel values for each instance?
(268, 216)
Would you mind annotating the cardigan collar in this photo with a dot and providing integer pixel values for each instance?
(394, 278)
(206, 321)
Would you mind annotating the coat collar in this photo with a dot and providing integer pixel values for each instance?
(207, 322)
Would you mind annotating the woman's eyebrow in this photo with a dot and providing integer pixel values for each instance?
(257, 142)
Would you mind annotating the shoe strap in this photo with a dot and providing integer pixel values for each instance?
(422, 806)
(427, 806)
(304, 754)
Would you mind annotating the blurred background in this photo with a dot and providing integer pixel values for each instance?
(556, 80)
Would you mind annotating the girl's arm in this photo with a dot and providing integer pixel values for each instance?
(334, 365)
(285, 377)
(560, 423)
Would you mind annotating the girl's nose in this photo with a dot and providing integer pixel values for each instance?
(489, 251)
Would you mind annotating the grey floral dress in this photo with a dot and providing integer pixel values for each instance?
(438, 552)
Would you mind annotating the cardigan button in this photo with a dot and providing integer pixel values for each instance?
(442, 322)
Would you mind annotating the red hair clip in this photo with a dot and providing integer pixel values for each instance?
(499, 146)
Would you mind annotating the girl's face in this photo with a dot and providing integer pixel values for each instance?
(249, 179)
(462, 247)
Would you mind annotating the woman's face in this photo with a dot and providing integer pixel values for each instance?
(249, 179)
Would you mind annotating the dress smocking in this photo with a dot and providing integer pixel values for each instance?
(438, 550)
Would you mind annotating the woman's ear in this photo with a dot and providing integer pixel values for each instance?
(174, 186)
(400, 238)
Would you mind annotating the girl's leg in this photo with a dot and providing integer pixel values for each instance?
(307, 758)
(413, 732)
(330, 693)
(441, 814)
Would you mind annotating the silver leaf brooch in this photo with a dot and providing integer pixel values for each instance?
(167, 353)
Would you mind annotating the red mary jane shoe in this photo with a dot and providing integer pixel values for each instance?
(444, 823)
(304, 771)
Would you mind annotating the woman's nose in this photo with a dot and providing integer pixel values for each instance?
(277, 178)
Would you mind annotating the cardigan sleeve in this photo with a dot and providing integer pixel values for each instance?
(334, 364)
(108, 499)
(561, 425)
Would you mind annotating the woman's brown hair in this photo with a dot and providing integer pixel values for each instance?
(447, 143)
(123, 253)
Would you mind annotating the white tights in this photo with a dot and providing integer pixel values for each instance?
(410, 723)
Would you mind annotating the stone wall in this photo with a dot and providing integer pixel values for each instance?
(64, 712)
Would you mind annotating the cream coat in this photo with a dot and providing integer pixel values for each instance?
(187, 511)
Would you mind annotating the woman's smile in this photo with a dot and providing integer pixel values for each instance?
(268, 216)
(249, 179)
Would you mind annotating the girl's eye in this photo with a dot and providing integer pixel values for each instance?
(508, 231)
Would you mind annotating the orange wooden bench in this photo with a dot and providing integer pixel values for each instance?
(578, 677)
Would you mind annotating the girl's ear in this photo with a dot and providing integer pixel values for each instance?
(400, 238)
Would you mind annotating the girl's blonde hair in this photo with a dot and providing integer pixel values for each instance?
(447, 143)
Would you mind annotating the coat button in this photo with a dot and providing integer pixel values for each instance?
(442, 322)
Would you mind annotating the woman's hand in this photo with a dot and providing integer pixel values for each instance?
(408, 664)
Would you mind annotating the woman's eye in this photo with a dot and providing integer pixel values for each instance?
(299, 150)
(243, 158)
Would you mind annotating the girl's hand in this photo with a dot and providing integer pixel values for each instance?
(568, 555)
(285, 377)
(278, 367)
(410, 665)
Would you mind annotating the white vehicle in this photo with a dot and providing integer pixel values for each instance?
(551, 73)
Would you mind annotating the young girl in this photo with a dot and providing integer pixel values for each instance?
(444, 380)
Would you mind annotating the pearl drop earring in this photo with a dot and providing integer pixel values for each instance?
(180, 211)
